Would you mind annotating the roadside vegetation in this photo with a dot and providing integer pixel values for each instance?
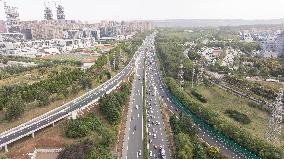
(221, 101)
(245, 125)
(240, 135)
(188, 145)
(96, 137)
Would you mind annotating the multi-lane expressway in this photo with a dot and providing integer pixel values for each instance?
(157, 139)
(49, 118)
(133, 138)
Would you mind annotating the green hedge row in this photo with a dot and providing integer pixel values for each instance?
(255, 144)
(238, 116)
(198, 96)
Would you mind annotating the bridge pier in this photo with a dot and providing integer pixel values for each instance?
(33, 135)
(74, 115)
(6, 148)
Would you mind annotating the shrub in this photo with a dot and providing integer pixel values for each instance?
(198, 96)
(238, 116)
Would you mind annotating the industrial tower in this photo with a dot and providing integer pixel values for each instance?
(60, 12)
(48, 15)
(274, 127)
(180, 74)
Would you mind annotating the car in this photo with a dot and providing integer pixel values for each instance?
(150, 154)
(155, 136)
(148, 125)
(155, 146)
(150, 141)
(149, 133)
(139, 153)
(135, 127)
(136, 106)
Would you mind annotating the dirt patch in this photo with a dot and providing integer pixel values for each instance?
(166, 114)
(42, 155)
(121, 131)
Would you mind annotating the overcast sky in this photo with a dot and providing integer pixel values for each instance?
(95, 10)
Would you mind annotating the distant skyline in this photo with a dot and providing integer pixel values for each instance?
(96, 10)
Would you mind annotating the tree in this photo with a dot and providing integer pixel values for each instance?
(184, 146)
(15, 108)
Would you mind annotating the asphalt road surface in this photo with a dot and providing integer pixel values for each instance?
(157, 139)
(134, 132)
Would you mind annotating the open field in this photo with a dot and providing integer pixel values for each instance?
(72, 57)
(34, 75)
(275, 86)
(220, 101)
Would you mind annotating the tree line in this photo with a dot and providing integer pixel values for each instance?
(14, 98)
(188, 145)
(111, 105)
(96, 141)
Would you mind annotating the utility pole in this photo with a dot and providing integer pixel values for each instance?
(114, 61)
(274, 127)
(199, 74)
(181, 73)
(193, 73)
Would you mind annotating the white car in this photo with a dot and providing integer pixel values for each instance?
(150, 154)
(139, 153)
(155, 136)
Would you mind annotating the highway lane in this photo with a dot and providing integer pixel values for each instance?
(134, 136)
(64, 111)
(158, 146)
(204, 134)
